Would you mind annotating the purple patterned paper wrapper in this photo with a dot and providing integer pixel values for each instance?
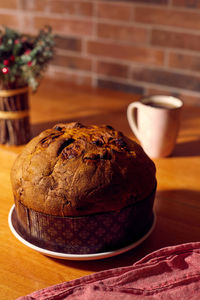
(86, 234)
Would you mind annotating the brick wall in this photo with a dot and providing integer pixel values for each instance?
(142, 46)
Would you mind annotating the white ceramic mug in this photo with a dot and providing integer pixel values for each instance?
(155, 121)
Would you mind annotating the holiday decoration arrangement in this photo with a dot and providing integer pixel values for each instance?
(23, 60)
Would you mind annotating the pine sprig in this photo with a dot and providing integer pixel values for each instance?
(24, 58)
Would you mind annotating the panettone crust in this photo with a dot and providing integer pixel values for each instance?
(76, 170)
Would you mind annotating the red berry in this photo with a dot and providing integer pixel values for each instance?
(29, 63)
(5, 70)
(12, 58)
(6, 62)
(27, 52)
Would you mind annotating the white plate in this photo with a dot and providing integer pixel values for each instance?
(54, 254)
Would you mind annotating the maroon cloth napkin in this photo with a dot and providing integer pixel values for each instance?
(169, 273)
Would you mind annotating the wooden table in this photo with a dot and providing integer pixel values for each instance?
(177, 203)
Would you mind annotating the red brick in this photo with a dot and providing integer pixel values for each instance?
(68, 43)
(187, 3)
(12, 4)
(175, 40)
(72, 62)
(161, 2)
(151, 1)
(114, 11)
(112, 69)
(159, 91)
(183, 61)
(10, 20)
(122, 33)
(61, 7)
(126, 52)
(71, 7)
(65, 26)
(119, 86)
(183, 19)
(76, 78)
(167, 78)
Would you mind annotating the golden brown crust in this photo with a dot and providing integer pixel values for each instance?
(74, 170)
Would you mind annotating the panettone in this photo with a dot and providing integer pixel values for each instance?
(74, 172)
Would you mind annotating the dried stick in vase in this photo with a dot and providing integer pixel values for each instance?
(16, 130)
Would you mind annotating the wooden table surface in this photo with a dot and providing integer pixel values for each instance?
(177, 203)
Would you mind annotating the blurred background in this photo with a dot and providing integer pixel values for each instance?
(144, 46)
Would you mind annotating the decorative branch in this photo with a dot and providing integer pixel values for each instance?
(23, 58)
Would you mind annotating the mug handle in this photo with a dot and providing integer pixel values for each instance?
(131, 118)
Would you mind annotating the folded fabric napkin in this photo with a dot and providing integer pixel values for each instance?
(169, 273)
